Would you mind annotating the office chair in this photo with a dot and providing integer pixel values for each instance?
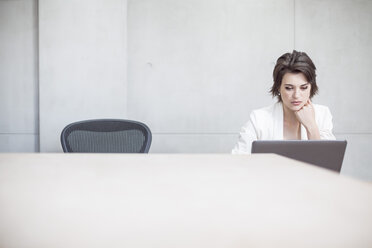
(106, 136)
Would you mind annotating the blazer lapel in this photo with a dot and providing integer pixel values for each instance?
(303, 133)
(278, 121)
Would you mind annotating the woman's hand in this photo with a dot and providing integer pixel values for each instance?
(306, 115)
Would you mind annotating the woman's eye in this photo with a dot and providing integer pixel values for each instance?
(288, 88)
(304, 88)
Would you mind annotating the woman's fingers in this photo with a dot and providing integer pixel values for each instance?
(308, 103)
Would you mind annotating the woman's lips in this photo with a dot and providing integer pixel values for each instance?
(296, 103)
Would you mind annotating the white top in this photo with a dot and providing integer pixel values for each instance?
(267, 124)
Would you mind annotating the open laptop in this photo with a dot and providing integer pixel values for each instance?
(327, 154)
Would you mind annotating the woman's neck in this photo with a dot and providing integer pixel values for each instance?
(291, 126)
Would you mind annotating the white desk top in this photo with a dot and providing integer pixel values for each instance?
(160, 200)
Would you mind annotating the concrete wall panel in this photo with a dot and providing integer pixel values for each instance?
(19, 142)
(82, 64)
(18, 73)
(193, 143)
(358, 156)
(338, 36)
(202, 66)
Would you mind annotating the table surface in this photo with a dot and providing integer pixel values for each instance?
(178, 200)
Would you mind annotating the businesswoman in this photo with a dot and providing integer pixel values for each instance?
(294, 116)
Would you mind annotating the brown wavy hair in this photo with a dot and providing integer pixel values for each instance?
(295, 62)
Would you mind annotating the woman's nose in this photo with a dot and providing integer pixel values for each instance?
(296, 93)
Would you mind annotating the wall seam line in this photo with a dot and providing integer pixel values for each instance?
(294, 24)
(38, 72)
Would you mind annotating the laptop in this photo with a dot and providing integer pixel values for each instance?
(327, 154)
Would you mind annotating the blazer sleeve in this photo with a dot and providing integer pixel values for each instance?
(325, 129)
(247, 135)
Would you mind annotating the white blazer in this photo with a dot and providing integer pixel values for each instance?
(267, 124)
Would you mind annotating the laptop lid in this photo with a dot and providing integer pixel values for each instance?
(327, 154)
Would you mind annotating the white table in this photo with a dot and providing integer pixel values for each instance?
(162, 200)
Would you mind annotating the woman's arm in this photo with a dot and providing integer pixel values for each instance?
(326, 126)
(306, 115)
(323, 131)
(246, 137)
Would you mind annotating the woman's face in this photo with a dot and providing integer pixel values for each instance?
(295, 91)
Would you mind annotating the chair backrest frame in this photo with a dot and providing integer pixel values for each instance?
(71, 127)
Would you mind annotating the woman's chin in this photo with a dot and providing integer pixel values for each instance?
(294, 108)
(297, 108)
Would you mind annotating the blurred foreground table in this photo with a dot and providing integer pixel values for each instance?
(178, 200)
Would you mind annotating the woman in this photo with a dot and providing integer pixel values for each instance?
(294, 116)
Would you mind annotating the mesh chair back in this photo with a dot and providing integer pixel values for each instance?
(106, 136)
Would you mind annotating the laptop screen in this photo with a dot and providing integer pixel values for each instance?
(327, 154)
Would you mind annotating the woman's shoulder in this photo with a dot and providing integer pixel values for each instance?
(265, 112)
(321, 109)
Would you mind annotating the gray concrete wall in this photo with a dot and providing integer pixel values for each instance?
(200, 67)
(338, 35)
(18, 76)
(192, 70)
(82, 64)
